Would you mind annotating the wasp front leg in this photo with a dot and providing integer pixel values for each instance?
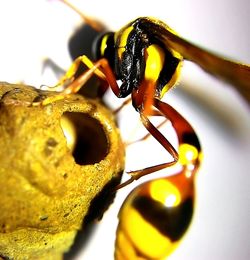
(72, 84)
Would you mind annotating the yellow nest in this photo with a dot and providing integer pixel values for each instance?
(54, 162)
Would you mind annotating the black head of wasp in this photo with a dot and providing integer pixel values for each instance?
(146, 57)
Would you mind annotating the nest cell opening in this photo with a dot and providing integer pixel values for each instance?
(85, 137)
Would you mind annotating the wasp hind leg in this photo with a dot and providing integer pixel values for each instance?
(135, 175)
(183, 130)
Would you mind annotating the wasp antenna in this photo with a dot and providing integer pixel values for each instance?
(91, 22)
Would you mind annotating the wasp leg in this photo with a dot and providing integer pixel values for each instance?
(49, 63)
(126, 102)
(145, 137)
(57, 70)
(110, 77)
(70, 74)
(71, 88)
(135, 175)
(184, 131)
(155, 233)
(180, 124)
(141, 93)
(187, 138)
(100, 68)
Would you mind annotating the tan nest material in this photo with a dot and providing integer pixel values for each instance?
(55, 161)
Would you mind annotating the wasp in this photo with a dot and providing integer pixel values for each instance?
(143, 60)
(146, 57)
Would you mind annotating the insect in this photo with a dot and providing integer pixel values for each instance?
(146, 56)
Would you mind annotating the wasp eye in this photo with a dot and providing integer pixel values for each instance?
(103, 46)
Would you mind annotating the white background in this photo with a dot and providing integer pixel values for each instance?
(32, 30)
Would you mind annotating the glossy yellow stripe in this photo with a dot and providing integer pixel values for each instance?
(188, 154)
(165, 192)
(123, 40)
(104, 44)
(154, 62)
(173, 80)
(145, 237)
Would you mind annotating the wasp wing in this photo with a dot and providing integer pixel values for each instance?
(237, 74)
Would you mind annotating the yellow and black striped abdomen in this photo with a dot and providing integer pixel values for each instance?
(155, 217)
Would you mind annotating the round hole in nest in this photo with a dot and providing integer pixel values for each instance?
(85, 137)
